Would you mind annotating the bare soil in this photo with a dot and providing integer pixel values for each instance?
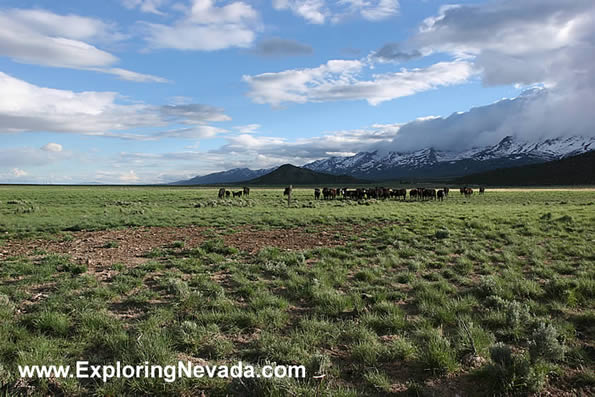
(130, 247)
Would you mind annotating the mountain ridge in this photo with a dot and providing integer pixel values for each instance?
(570, 170)
(429, 162)
(289, 174)
(424, 163)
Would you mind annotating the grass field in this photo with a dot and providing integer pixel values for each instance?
(488, 295)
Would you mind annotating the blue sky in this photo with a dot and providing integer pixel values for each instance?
(151, 91)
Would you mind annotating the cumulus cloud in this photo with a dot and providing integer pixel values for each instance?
(52, 147)
(206, 27)
(276, 46)
(29, 157)
(532, 41)
(17, 172)
(339, 80)
(25, 107)
(247, 129)
(253, 151)
(321, 11)
(544, 42)
(45, 38)
(149, 6)
(392, 52)
(129, 176)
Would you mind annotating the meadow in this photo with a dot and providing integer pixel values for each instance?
(487, 295)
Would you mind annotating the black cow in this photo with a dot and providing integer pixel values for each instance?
(440, 195)
(286, 191)
(221, 193)
(227, 193)
(482, 190)
(246, 191)
(316, 194)
(400, 193)
(429, 194)
(238, 194)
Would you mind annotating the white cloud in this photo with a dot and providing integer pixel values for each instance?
(206, 27)
(17, 172)
(133, 76)
(245, 150)
(549, 43)
(338, 80)
(44, 38)
(149, 6)
(129, 176)
(526, 42)
(321, 11)
(52, 147)
(25, 107)
(247, 129)
(313, 11)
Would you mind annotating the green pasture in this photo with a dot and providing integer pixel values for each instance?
(487, 295)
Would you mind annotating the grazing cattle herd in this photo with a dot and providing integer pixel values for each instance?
(327, 193)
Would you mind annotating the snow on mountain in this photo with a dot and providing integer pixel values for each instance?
(231, 176)
(429, 162)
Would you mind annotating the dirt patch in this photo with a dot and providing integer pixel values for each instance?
(130, 247)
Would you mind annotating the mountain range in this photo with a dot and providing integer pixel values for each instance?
(427, 162)
(432, 163)
(289, 174)
(230, 176)
(571, 170)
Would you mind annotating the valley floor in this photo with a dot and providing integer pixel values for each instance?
(487, 295)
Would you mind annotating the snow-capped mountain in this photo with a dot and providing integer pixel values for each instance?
(231, 176)
(428, 162)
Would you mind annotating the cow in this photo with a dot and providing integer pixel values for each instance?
(446, 190)
(332, 193)
(227, 193)
(238, 194)
(441, 194)
(221, 193)
(398, 193)
(246, 191)
(482, 190)
(352, 194)
(317, 194)
(413, 193)
(468, 192)
(429, 194)
(286, 191)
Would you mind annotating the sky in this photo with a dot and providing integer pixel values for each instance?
(154, 91)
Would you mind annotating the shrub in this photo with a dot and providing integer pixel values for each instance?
(441, 234)
(544, 344)
(512, 374)
(217, 246)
